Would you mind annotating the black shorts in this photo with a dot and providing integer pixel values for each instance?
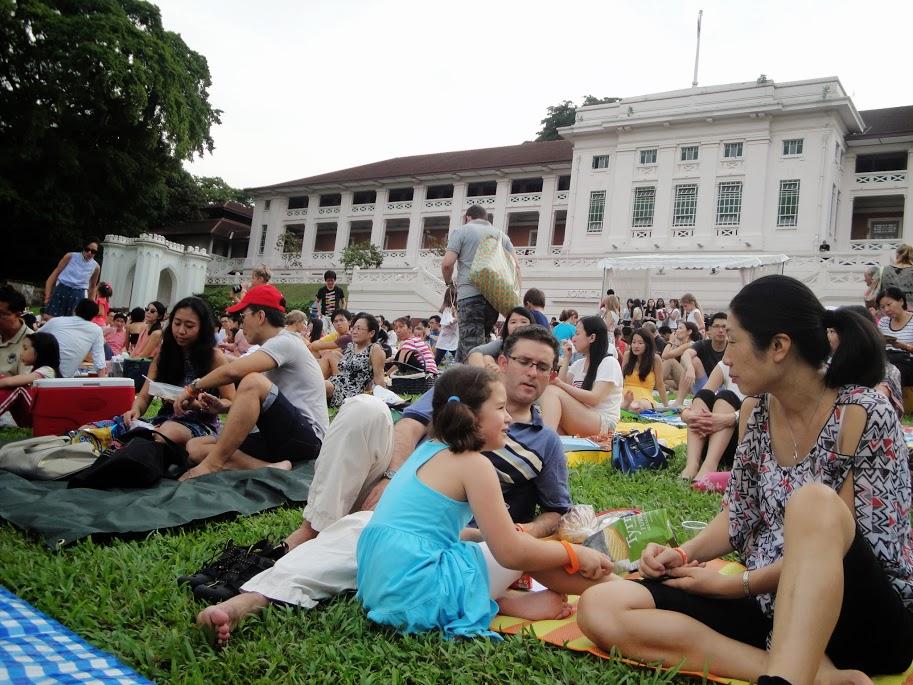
(283, 433)
(874, 632)
(709, 398)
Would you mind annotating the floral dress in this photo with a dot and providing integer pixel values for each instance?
(760, 486)
(355, 372)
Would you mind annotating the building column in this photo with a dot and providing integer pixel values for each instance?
(343, 223)
(907, 229)
(546, 216)
(377, 223)
(414, 240)
(310, 229)
(500, 209)
(458, 206)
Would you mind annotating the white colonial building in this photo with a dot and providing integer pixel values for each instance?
(756, 167)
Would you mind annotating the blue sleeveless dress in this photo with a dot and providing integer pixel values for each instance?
(414, 573)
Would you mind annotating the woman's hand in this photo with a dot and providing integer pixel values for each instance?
(593, 565)
(212, 404)
(706, 582)
(130, 416)
(657, 560)
(568, 348)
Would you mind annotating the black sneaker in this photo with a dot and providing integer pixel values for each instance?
(229, 583)
(218, 564)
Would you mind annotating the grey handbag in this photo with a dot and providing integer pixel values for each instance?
(46, 458)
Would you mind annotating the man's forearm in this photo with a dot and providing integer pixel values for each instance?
(543, 525)
(447, 273)
(405, 439)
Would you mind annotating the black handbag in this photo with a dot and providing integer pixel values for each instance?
(635, 450)
(141, 462)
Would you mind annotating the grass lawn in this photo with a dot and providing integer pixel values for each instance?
(123, 598)
(294, 292)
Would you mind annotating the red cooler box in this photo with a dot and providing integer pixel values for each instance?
(65, 404)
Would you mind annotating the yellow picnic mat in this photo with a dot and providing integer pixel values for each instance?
(566, 633)
(581, 454)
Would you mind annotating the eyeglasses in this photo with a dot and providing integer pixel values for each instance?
(528, 363)
(152, 309)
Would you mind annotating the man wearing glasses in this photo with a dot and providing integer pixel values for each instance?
(363, 449)
(701, 358)
(75, 278)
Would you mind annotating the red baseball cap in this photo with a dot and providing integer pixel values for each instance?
(262, 295)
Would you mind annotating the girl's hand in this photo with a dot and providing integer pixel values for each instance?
(568, 348)
(706, 582)
(657, 560)
(593, 565)
(131, 416)
(211, 404)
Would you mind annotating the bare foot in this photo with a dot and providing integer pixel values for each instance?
(219, 620)
(281, 465)
(628, 398)
(687, 474)
(536, 606)
(833, 676)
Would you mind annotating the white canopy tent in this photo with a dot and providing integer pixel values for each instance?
(634, 274)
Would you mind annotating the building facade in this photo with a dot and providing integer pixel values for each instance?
(756, 167)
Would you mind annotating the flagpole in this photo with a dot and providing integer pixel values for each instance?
(697, 52)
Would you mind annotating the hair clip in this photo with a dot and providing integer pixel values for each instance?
(453, 398)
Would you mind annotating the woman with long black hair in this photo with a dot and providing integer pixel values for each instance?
(585, 397)
(643, 373)
(150, 338)
(818, 510)
(188, 351)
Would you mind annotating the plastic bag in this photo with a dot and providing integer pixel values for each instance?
(578, 524)
(627, 537)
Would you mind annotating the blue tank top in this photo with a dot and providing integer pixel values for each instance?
(78, 272)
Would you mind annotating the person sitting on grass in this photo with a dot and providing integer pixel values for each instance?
(585, 397)
(817, 508)
(362, 363)
(643, 373)
(713, 424)
(414, 351)
(330, 346)
(115, 335)
(150, 337)
(363, 451)
(415, 573)
(41, 355)
(487, 355)
(681, 340)
(701, 358)
(188, 351)
(280, 391)
(78, 338)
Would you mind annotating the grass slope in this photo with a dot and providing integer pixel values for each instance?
(123, 598)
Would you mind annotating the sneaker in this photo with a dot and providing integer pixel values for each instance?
(212, 569)
(229, 583)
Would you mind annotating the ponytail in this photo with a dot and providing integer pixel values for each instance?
(459, 393)
(859, 358)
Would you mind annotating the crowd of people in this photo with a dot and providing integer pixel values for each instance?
(434, 517)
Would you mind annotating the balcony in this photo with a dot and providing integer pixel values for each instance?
(322, 257)
(481, 200)
(328, 211)
(402, 206)
(440, 203)
(881, 179)
(297, 212)
(524, 199)
(363, 209)
(874, 245)
(561, 197)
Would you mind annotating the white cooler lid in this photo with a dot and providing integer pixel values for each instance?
(83, 382)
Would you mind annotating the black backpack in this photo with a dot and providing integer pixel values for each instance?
(141, 462)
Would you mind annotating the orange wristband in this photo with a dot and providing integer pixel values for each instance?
(683, 555)
(573, 564)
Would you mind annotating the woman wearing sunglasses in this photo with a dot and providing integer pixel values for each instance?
(74, 278)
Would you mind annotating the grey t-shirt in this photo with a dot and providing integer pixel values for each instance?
(465, 241)
(491, 348)
(299, 379)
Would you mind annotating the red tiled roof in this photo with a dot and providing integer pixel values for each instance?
(889, 121)
(443, 163)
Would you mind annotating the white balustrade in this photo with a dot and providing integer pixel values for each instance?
(481, 200)
(524, 198)
(641, 233)
(439, 203)
(561, 196)
(526, 251)
(328, 211)
(878, 177)
(556, 250)
(363, 209)
(682, 232)
(322, 257)
(727, 233)
(297, 212)
(873, 245)
(399, 206)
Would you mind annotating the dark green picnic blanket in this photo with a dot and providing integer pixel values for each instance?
(61, 516)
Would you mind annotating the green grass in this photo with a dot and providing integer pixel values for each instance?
(123, 598)
(299, 293)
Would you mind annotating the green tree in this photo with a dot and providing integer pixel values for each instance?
(99, 106)
(563, 114)
(362, 254)
(216, 190)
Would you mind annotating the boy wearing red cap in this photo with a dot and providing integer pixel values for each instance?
(281, 392)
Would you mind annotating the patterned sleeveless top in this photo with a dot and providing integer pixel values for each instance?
(355, 373)
(760, 486)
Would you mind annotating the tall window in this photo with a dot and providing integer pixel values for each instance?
(644, 203)
(792, 147)
(685, 209)
(648, 156)
(689, 153)
(732, 150)
(262, 245)
(600, 161)
(597, 211)
(729, 203)
(266, 204)
(788, 204)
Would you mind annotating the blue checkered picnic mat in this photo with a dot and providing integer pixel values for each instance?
(35, 648)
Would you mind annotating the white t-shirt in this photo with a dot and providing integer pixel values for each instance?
(695, 317)
(904, 335)
(449, 338)
(609, 371)
(299, 379)
(76, 338)
(727, 382)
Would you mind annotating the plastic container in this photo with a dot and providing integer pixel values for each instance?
(64, 404)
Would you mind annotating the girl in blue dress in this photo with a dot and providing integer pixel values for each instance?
(414, 572)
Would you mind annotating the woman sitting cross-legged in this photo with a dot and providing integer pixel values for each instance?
(713, 424)
(487, 354)
(643, 373)
(188, 351)
(41, 353)
(362, 363)
(585, 397)
(818, 509)
(897, 328)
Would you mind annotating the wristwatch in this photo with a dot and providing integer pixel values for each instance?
(389, 473)
(195, 386)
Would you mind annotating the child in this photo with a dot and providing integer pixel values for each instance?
(415, 351)
(589, 390)
(643, 372)
(414, 572)
(620, 345)
(116, 334)
(330, 296)
(41, 352)
(103, 300)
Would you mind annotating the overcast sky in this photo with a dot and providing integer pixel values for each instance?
(309, 86)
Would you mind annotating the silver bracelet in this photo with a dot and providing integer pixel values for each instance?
(745, 586)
